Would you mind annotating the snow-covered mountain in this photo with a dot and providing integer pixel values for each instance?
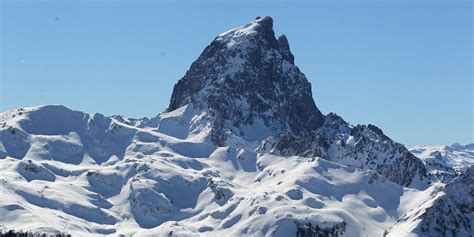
(247, 83)
(242, 150)
(446, 211)
(445, 162)
(246, 91)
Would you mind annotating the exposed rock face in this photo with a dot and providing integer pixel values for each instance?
(245, 77)
(249, 86)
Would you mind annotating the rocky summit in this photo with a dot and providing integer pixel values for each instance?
(247, 77)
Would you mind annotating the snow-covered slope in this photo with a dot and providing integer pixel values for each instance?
(445, 162)
(445, 211)
(242, 150)
(64, 170)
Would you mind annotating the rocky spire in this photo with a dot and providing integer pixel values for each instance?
(285, 49)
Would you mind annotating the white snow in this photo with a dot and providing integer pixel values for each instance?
(99, 176)
(455, 156)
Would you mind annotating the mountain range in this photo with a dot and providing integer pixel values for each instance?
(445, 162)
(241, 150)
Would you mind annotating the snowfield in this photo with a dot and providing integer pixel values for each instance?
(100, 176)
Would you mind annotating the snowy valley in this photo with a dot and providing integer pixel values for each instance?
(242, 150)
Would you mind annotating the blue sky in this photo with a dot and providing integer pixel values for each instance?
(405, 66)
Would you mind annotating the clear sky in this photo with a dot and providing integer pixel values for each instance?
(405, 66)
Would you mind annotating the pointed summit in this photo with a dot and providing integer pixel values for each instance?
(247, 78)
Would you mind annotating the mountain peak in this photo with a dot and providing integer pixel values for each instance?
(259, 31)
(245, 91)
(245, 77)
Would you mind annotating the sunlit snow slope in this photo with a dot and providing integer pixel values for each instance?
(64, 170)
(445, 162)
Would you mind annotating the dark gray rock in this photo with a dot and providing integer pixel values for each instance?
(285, 49)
